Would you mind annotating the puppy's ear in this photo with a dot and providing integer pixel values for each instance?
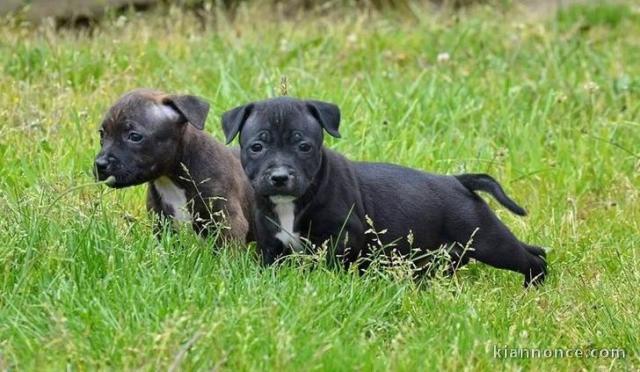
(327, 114)
(192, 109)
(234, 119)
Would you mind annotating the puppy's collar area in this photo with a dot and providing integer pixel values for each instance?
(281, 199)
(284, 208)
(322, 173)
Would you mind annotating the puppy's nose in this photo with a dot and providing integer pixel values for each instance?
(102, 163)
(279, 177)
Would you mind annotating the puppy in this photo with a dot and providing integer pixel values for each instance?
(304, 190)
(155, 138)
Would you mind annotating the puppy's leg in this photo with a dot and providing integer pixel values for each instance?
(269, 247)
(509, 253)
(495, 245)
(162, 222)
(344, 239)
(224, 218)
(238, 222)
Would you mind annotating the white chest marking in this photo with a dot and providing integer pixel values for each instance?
(284, 208)
(174, 197)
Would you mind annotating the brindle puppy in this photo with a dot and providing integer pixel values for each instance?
(155, 138)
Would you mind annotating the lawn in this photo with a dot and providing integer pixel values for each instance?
(548, 104)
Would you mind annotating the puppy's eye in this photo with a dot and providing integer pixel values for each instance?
(256, 147)
(135, 137)
(304, 147)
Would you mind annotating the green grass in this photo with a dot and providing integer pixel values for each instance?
(549, 107)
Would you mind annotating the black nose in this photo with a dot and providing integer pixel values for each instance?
(102, 163)
(279, 177)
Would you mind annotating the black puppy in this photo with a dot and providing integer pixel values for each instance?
(302, 187)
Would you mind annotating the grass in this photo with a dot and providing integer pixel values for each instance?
(548, 106)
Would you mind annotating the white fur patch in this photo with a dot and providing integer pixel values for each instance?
(174, 197)
(284, 208)
(163, 112)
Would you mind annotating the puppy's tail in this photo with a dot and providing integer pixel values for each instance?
(486, 183)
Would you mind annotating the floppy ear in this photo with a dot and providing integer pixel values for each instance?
(192, 109)
(327, 114)
(233, 120)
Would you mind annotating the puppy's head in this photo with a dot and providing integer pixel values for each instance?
(281, 142)
(141, 135)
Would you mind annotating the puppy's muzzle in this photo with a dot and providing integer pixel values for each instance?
(280, 177)
(103, 166)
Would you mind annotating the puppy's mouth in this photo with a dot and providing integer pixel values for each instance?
(111, 181)
(269, 191)
(117, 181)
(266, 186)
(101, 176)
(275, 193)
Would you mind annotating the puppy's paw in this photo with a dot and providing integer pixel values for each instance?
(536, 251)
(537, 271)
